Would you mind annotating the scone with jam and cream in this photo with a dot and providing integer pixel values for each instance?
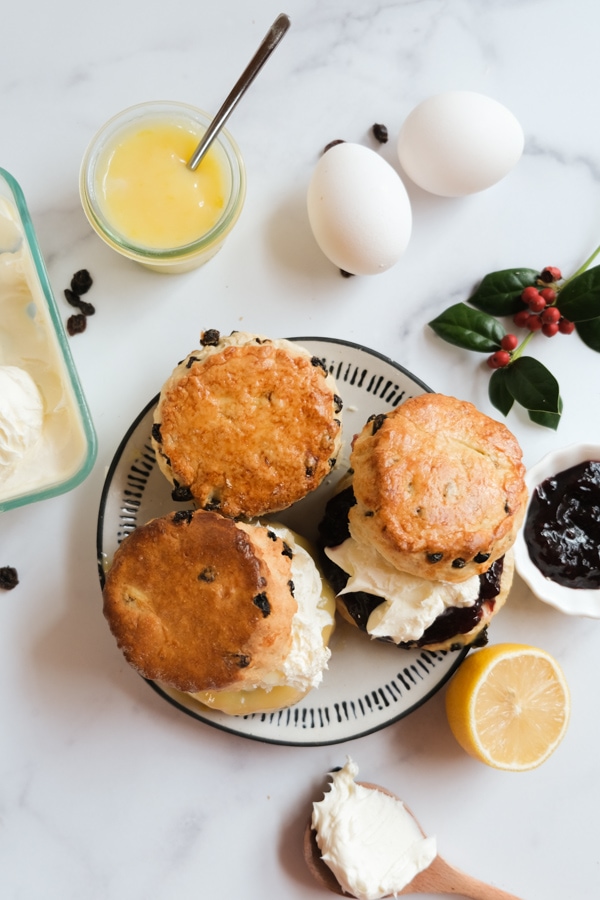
(246, 425)
(417, 541)
(234, 613)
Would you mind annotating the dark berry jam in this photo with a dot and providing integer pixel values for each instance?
(562, 531)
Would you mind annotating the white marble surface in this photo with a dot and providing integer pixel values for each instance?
(105, 790)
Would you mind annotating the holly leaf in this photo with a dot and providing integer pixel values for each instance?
(500, 292)
(548, 420)
(579, 299)
(499, 394)
(532, 385)
(467, 328)
(589, 332)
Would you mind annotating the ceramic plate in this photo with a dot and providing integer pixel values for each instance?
(572, 601)
(368, 684)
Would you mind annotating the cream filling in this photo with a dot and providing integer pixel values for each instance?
(368, 839)
(410, 603)
(304, 665)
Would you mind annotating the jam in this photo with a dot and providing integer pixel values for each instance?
(562, 531)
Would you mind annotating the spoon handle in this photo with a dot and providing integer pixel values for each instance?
(442, 878)
(270, 41)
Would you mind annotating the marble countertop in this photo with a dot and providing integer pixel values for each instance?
(107, 791)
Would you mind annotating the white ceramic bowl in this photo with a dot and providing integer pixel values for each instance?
(572, 601)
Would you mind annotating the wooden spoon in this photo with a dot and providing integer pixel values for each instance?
(437, 878)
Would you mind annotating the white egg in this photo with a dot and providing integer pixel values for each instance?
(358, 210)
(459, 142)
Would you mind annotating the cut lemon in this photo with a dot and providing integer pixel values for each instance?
(508, 706)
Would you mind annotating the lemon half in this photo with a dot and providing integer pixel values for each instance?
(508, 706)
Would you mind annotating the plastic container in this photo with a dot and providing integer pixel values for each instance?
(172, 255)
(33, 339)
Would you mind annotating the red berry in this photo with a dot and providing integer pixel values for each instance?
(550, 329)
(499, 359)
(550, 274)
(521, 318)
(534, 323)
(509, 342)
(566, 327)
(548, 294)
(529, 293)
(537, 304)
(550, 314)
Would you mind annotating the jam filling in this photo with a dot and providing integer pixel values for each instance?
(334, 530)
(562, 531)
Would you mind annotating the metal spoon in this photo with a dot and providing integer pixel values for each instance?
(437, 878)
(270, 41)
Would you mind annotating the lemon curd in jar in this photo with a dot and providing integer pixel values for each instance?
(141, 198)
(149, 195)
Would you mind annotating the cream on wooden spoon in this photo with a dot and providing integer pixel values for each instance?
(347, 850)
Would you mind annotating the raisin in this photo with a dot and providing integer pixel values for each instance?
(272, 535)
(81, 282)
(76, 324)
(287, 550)
(9, 578)
(318, 362)
(434, 557)
(458, 563)
(183, 515)
(156, 433)
(208, 574)
(210, 338)
(332, 144)
(309, 471)
(191, 361)
(241, 660)
(377, 422)
(262, 602)
(181, 494)
(291, 586)
(380, 133)
(346, 274)
(482, 557)
(85, 308)
(338, 403)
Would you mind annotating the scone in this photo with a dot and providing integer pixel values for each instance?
(246, 425)
(439, 487)
(201, 603)
(394, 536)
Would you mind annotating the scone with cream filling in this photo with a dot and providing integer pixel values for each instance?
(217, 608)
(246, 425)
(395, 535)
(439, 487)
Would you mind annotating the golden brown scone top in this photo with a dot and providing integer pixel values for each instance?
(249, 426)
(439, 487)
(200, 602)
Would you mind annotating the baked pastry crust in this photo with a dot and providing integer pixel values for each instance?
(440, 488)
(200, 602)
(247, 425)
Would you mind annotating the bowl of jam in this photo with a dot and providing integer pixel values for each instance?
(557, 552)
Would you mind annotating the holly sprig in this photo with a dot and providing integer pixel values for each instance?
(542, 302)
